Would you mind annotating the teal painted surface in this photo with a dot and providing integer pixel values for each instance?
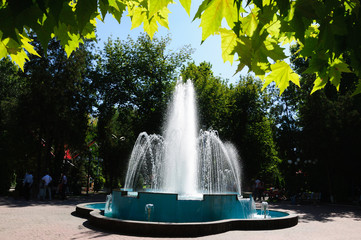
(190, 211)
(167, 208)
(98, 206)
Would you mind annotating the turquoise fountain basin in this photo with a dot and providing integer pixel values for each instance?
(166, 207)
(169, 215)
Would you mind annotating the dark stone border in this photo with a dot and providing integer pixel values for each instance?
(83, 211)
(161, 229)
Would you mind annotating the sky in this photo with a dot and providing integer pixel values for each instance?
(182, 32)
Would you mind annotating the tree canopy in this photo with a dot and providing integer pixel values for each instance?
(254, 34)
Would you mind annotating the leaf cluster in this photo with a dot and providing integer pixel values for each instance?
(254, 31)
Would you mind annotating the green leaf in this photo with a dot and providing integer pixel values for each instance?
(186, 5)
(162, 17)
(89, 30)
(243, 49)
(44, 33)
(28, 47)
(17, 54)
(273, 50)
(281, 74)
(55, 8)
(318, 84)
(84, 10)
(274, 28)
(284, 6)
(138, 16)
(318, 63)
(67, 16)
(73, 43)
(104, 8)
(20, 58)
(228, 42)
(335, 70)
(212, 16)
(8, 29)
(116, 8)
(201, 8)
(358, 88)
(3, 50)
(250, 23)
(114, 4)
(155, 5)
(150, 27)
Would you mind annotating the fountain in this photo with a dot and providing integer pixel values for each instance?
(182, 162)
(184, 183)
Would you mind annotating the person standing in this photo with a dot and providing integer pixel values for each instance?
(47, 184)
(63, 184)
(27, 183)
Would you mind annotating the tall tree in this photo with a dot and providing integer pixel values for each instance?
(252, 131)
(134, 80)
(10, 89)
(323, 134)
(52, 109)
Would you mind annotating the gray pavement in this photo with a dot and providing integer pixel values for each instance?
(20, 219)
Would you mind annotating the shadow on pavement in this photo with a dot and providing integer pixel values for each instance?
(321, 212)
(71, 200)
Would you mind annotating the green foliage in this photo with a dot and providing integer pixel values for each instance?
(212, 94)
(134, 79)
(43, 110)
(255, 32)
(319, 133)
(10, 89)
(252, 131)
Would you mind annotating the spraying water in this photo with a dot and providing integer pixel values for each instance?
(187, 161)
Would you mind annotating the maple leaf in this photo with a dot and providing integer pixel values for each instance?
(155, 5)
(28, 47)
(228, 42)
(186, 5)
(212, 16)
(319, 83)
(16, 52)
(73, 43)
(336, 68)
(281, 74)
(3, 50)
(20, 58)
(250, 23)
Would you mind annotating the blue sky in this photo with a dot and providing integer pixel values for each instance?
(182, 32)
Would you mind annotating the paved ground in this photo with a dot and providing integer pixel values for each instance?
(55, 219)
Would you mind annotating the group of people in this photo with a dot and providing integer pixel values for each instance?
(45, 186)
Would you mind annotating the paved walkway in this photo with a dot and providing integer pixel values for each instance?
(55, 219)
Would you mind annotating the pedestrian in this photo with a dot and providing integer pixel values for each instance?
(47, 184)
(27, 184)
(41, 195)
(257, 189)
(63, 186)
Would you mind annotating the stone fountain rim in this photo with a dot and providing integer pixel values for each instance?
(189, 229)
